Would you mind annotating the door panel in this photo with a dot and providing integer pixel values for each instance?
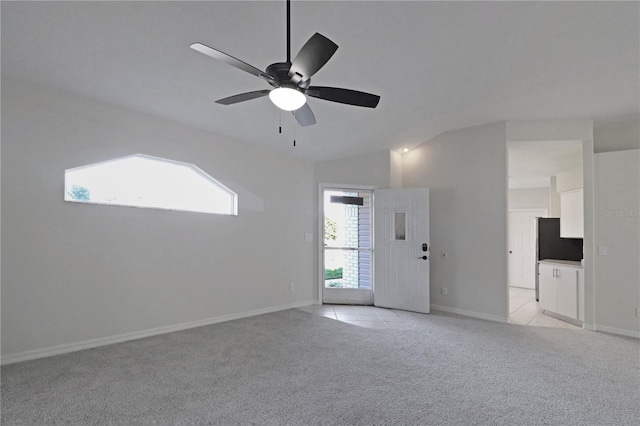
(401, 224)
(522, 248)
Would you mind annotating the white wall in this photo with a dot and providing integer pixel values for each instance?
(396, 170)
(529, 198)
(617, 220)
(616, 135)
(369, 169)
(73, 272)
(569, 180)
(549, 130)
(466, 173)
(554, 198)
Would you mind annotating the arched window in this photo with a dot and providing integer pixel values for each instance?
(149, 182)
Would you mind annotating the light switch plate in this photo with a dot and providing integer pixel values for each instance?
(602, 250)
(308, 237)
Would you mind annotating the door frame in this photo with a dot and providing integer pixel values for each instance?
(341, 186)
(541, 210)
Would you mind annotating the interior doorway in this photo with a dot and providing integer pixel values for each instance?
(538, 173)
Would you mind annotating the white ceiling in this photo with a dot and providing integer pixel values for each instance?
(437, 66)
(531, 164)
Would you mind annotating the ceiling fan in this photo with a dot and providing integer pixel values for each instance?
(291, 81)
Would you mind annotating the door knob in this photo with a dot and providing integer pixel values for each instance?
(423, 257)
(510, 252)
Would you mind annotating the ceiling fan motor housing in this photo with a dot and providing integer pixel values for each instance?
(280, 71)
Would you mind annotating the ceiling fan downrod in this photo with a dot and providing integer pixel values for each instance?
(288, 31)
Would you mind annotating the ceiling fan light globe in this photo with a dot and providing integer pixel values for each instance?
(287, 99)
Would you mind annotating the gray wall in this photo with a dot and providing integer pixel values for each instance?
(466, 173)
(617, 198)
(74, 272)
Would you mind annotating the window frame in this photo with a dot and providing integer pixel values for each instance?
(193, 167)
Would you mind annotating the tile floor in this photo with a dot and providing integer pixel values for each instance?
(523, 307)
(524, 310)
(364, 316)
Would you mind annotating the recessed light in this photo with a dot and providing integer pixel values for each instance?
(405, 150)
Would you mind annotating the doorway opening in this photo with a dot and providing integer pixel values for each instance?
(540, 174)
(346, 257)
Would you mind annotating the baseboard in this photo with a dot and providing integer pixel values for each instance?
(92, 343)
(473, 314)
(618, 331)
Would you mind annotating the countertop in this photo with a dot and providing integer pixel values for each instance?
(574, 263)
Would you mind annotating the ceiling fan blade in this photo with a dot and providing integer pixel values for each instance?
(304, 115)
(344, 96)
(243, 97)
(234, 62)
(313, 55)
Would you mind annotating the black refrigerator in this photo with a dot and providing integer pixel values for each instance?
(549, 245)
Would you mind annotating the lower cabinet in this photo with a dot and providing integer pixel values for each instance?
(567, 292)
(547, 293)
(561, 290)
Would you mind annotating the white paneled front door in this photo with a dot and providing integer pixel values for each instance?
(402, 249)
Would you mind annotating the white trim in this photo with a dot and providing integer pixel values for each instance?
(472, 314)
(92, 343)
(618, 331)
(320, 209)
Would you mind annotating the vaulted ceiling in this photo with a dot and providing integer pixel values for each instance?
(436, 65)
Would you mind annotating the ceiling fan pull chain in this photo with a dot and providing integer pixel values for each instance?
(294, 130)
(280, 122)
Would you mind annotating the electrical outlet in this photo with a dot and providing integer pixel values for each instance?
(443, 255)
(308, 237)
(602, 250)
(443, 290)
(292, 286)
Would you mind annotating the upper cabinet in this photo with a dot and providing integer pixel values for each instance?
(572, 214)
(569, 186)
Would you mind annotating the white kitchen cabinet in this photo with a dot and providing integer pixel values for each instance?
(572, 214)
(547, 291)
(567, 291)
(561, 290)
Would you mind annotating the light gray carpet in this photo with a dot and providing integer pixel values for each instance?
(295, 368)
